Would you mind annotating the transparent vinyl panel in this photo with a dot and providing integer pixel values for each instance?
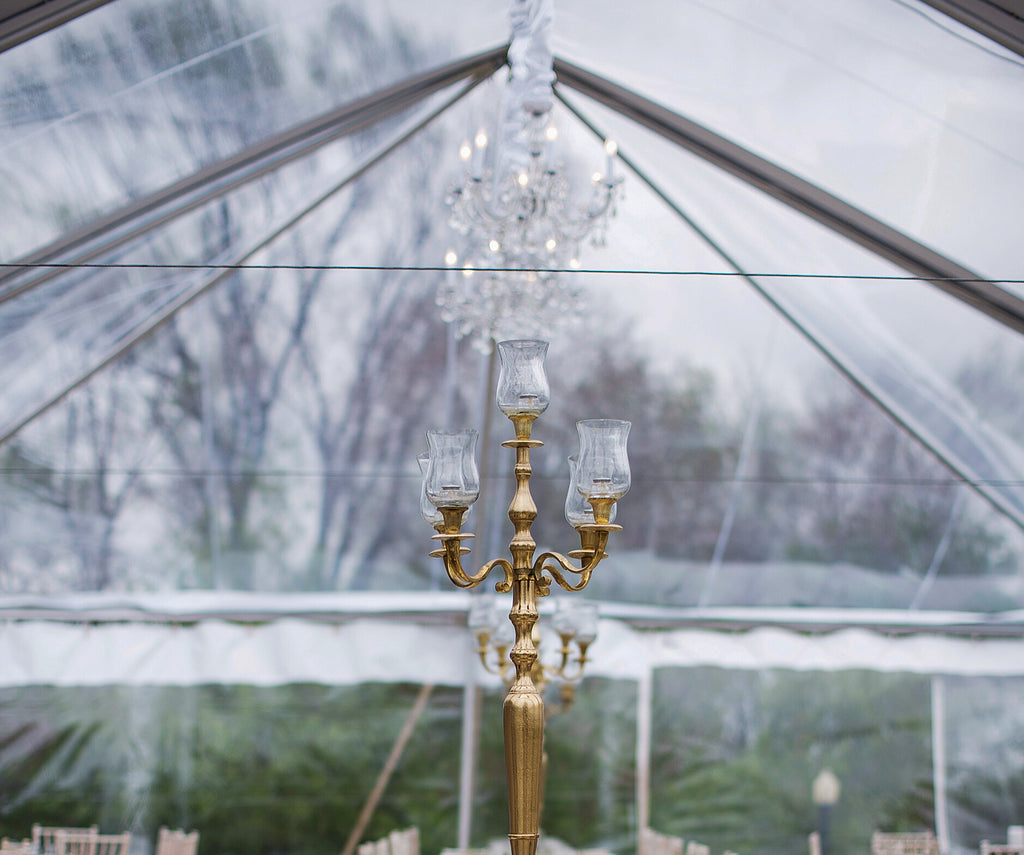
(744, 748)
(891, 106)
(134, 96)
(907, 345)
(61, 324)
(215, 755)
(249, 448)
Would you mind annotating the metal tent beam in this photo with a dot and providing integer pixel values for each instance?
(801, 195)
(21, 20)
(1003, 22)
(106, 233)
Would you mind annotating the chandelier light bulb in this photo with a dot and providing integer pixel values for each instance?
(610, 150)
(550, 244)
(467, 270)
(574, 263)
(523, 179)
(450, 258)
(465, 152)
(480, 140)
(493, 245)
(596, 177)
(551, 134)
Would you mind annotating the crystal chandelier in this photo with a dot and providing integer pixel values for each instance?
(524, 221)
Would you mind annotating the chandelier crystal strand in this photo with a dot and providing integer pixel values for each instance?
(522, 219)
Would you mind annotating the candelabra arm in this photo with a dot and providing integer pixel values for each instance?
(483, 650)
(461, 579)
(449, 533)
(576, 675)
(589, 561)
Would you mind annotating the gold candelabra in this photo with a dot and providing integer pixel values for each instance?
(598, 479)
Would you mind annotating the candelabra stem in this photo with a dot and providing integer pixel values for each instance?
(524, 706)
(524, 724)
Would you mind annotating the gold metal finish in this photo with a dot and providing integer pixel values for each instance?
(527, 578)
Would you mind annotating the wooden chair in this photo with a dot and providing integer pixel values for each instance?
(904, 843)
(176, 842)
(15, 847)
(653, 842)
(43, 836)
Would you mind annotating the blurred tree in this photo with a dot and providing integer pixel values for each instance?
(85, 486)
(676, 449)
(880, 499)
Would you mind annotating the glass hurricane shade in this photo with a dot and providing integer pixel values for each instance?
(576, 619)
(603, 468)
(489, 616)
(578, 511)
(522, 384)
(452, 480)
(481, 616)
(430, 513)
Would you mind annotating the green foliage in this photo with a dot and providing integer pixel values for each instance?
(257, 770)
(266, 770)
(735, 754)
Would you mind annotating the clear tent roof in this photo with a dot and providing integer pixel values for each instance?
(813, 425)
(222, 244)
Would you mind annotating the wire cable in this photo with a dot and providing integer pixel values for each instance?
(401, 474)
(440, 268)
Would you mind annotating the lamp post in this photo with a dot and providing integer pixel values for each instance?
(825, 793)
(452, 484)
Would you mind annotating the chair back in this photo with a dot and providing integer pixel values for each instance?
(904, 843)
(15, 847)
(176, 842)
(1001, 848)
(74, 842)
(405, 842)
(43, 836)
(113, 844)
(653, 842)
